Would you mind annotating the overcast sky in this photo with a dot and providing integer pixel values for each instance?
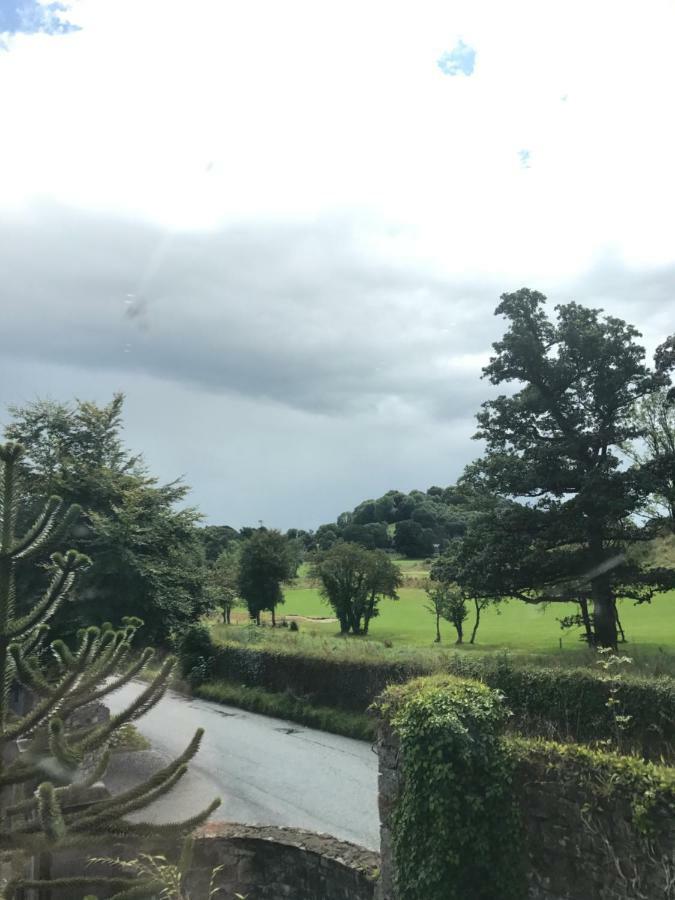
(281, 228)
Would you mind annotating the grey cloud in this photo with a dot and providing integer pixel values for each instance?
(643, 296)
(249, 459)
(297, 315)
(286, 371)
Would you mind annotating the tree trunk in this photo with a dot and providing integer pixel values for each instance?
(460, 633)
(604, 605)
(368, 615)
(604, 617)
(619, 626)
(476, 621)
(274, 621)
(438, 629)
(585, 617)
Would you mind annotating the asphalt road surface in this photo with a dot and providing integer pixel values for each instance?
(267, 771)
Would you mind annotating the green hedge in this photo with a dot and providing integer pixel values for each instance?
(571, 704)
(286, 706)
(345, 684)
(455, 827)
(563, 704)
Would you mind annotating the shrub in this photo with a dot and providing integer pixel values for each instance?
(196, 654)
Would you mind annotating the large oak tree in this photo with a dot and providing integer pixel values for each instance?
(553, 446)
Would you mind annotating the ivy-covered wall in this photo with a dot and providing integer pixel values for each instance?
(597, 826)
(468, 811)
(449, 823)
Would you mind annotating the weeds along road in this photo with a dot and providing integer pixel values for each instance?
(267, 771)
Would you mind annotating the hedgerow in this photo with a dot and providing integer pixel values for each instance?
(345, 684)
(562, 704)
(572, 704)
(286, 706)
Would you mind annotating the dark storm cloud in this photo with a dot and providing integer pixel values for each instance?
(298, 315)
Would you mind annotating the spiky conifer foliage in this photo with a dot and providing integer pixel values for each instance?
(58, 756)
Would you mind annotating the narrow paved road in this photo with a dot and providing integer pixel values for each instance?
(267, 771)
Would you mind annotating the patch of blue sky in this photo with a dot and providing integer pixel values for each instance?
(33, 17)
(458, 61)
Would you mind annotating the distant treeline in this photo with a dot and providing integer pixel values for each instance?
(419, 524)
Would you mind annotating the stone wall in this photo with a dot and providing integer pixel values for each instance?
(581, 848)
(267, 863)
(388, 750)
(257, 862)
(574, 849)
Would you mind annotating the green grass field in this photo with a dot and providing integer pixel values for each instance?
(404, 632)
(405, 628)
(512, 625)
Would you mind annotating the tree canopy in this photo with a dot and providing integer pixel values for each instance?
(63, 753)
(353, 581)
(223, 580)
(654, 419)
(415, 524)
(148, 560)
(266, 561)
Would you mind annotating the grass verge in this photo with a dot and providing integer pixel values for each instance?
(287, 706)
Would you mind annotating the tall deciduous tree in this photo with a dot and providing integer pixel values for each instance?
(223, 580)
(354, 580)
(554, 445)
(147, 557)
(62, 757)
(465, 568)
(447, 601)
(266, 561)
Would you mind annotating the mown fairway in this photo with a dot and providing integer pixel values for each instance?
(409, 629)
(513, 625)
